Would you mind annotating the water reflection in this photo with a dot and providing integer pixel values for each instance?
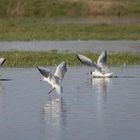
(2, 95)
(54, 116)
(100, 84)
(101, 88)
(2, 106)
(54, 111)
(89, 109)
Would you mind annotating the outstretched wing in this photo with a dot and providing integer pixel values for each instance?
(2, 60)
(61, 70)
(44, 71)
(102, 60)
(85, 60)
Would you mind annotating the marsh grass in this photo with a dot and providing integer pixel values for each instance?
(33, 59)
(29, 19)
(69, 8)
(40, 29)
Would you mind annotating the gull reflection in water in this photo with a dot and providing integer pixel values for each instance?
(54, 118)
(54, 111)
(100, 85)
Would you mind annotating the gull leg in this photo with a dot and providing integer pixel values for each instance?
(51, 90)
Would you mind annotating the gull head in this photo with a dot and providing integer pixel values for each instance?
(43, 79)
(91, 72)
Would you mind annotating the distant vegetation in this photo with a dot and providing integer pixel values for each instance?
(33, 29)
(33, 59)
(69, 8)
(66, 19)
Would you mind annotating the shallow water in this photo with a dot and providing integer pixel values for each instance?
(73, 46)
(96, 109)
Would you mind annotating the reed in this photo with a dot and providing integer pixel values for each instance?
(40, 29)
(68, 8)
(33, 59)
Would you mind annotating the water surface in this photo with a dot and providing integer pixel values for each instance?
(73, 46)
(99, 109)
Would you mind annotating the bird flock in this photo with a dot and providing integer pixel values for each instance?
(100, 70)
(54, 79)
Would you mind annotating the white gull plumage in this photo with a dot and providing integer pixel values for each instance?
(101, 69)
(2, 60)
(54, 79)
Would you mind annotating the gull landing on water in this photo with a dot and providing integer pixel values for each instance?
(101, 70)
(54, 79)
(2, 60)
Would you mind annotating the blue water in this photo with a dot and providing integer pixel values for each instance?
(95, 109)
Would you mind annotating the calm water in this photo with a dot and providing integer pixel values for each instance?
(90, 109)
(73, 46)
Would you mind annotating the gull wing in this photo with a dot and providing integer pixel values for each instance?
(2, 60)
(85, 60)
(102, 59)
(46, 73)
(61, 70)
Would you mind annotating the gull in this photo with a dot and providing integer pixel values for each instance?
(101, 69)
(2, 60)
(54, 79)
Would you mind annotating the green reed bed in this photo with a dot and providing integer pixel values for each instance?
(40, 29)
(33, 59)
(47, 19)
(71, 8)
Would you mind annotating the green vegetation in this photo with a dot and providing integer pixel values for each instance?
(68, 8)
(34, 29)
(33, 59)
(68, 19)
(65, 20)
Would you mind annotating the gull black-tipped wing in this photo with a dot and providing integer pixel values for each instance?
(2, 60)
(43, 71)
(85, 60)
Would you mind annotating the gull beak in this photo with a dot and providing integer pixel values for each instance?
(42, 79)
(90, 73)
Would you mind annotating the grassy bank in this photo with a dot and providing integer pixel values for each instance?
(47, 19)
(40, 29)
(33, 59)
(69, 8)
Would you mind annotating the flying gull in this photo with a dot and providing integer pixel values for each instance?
(2, 60)
(54, 79)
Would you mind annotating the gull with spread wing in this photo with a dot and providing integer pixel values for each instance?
(101, 69)
(2, 60)
(54, 79)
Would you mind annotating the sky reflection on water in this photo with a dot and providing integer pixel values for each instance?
(106, 109)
